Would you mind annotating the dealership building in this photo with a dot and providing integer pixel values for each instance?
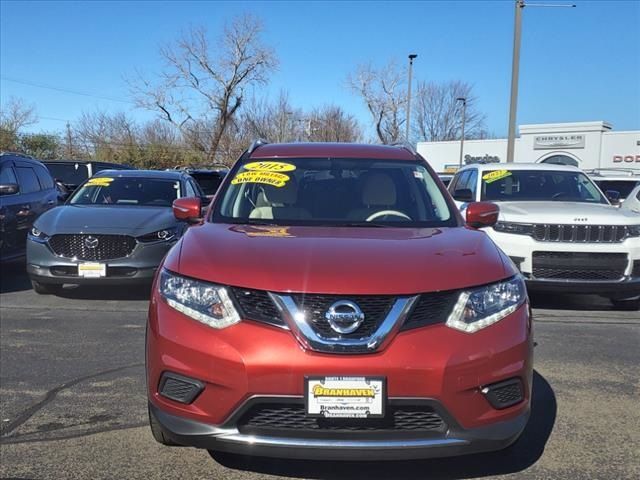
(587, 145)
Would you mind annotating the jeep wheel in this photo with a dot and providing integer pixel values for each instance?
(46, 288)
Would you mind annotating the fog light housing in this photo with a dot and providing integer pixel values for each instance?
(504, 394)
(179, 388)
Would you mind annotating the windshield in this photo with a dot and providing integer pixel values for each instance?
(336, 192)
(209, 182)
(127, 191)
(69, 173)
(539, 185)
(623, 187)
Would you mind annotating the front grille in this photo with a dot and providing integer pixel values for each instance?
(84, 246)
(287, 417)
(431, 308)
(374, 307)
(580, 233)
(579, 266)
(257, 305)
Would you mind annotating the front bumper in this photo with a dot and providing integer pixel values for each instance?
(137, 268)
(252, 360)
(456, 441)
(521, 249)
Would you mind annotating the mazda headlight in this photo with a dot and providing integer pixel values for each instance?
(205, 302)
(38, 235)
(480, 307)
(163, 235)
(514, 228)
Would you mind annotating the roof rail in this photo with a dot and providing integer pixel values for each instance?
(255, 144)
(17, 154)
(614, 170)
(406, 145)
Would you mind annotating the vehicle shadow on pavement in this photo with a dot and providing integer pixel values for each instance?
(518, 457)
(138, 292)
(555, 301)
(13, 277)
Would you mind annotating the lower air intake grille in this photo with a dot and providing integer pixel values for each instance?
(178, 388)
(287, 417)
(504, 394)
(579, 266)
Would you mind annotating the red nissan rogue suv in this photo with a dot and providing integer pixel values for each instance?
(333, 304)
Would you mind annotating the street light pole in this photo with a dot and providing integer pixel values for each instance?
(411, 58)
(515, 69)
(464, 119)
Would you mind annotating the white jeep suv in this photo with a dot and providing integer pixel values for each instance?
(558, 228)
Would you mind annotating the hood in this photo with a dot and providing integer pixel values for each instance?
(101, 219)
(340, 260)
(565, 213)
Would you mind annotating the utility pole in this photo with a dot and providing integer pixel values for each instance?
(412, 57)
(515, 68)
(464, 119)
(69, 142)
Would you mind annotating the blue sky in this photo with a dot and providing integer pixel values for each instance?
(577, 64)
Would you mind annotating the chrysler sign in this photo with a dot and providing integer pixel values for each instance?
(549, 142)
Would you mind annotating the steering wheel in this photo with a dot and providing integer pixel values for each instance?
(384, 213)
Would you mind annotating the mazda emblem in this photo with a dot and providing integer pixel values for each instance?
(344, 316)
(90, 242)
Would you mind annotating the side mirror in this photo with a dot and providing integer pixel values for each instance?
(482, 214)
(613, 196)
(463, 195)
(188, 209)
(8, 189)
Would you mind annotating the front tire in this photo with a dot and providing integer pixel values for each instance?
(157, 432)
(46, 289)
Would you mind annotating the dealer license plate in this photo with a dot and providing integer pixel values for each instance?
(92, 270)
(345, 397)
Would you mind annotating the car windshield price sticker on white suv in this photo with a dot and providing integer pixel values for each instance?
(345, 397)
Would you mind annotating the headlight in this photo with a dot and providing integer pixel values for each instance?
(480, 307)
(38, 235)
(163, 235)
(202, 301)
(634, 230)
(514, 228)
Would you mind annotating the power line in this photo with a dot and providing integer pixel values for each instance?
(65, 90)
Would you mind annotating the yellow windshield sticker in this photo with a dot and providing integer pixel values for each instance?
(270, 167)
(99, 182)
(496, 175)
(274, 179)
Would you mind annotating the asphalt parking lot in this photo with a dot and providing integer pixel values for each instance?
(72, 397)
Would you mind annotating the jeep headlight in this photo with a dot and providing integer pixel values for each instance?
(478, 308)
(205, 302)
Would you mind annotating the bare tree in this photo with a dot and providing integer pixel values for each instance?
(438, 113)
(15, 114)
(278, 121)
(332, 124)
(203, 83)
(384, 93)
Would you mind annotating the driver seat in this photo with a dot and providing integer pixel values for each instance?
(378, 193)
